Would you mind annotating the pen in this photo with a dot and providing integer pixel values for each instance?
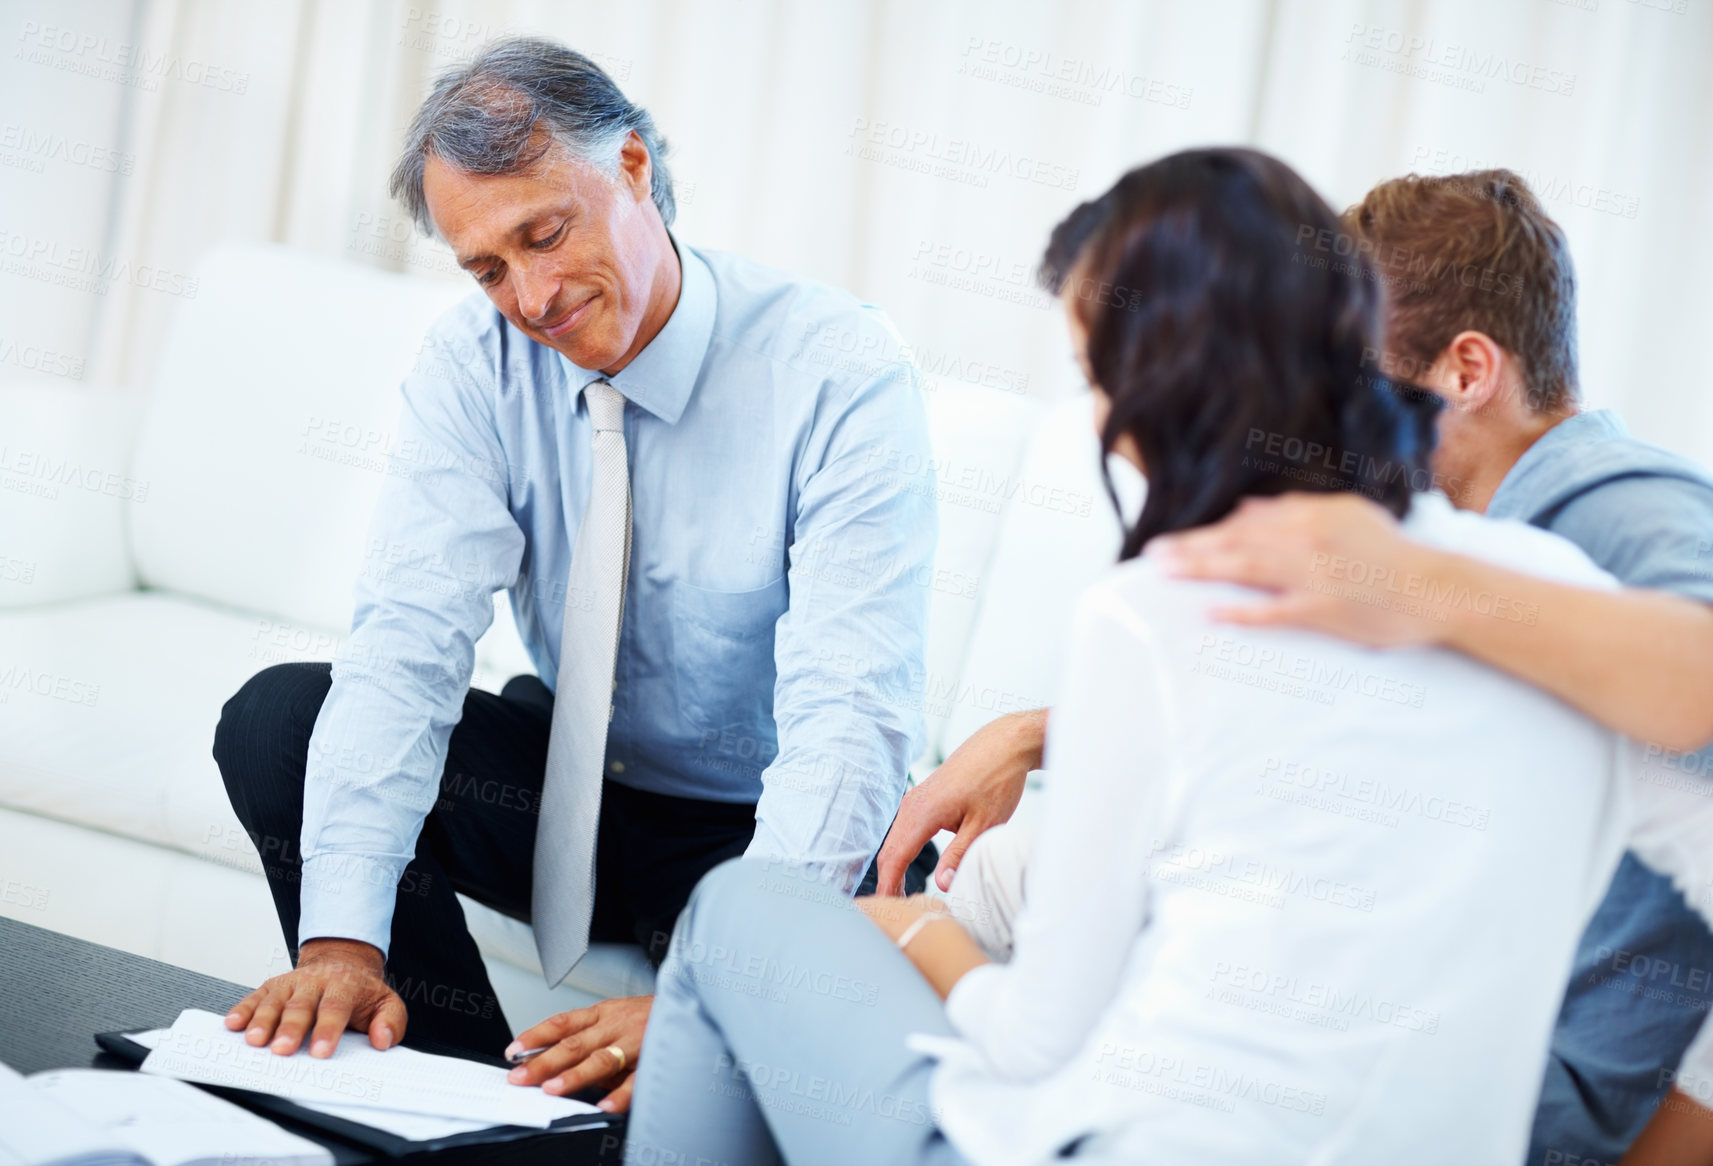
(523, 1055)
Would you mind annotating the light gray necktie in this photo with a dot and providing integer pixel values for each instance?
(563, 897)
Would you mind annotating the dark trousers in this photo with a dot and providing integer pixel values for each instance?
(478, 840)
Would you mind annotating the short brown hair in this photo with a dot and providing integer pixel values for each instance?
(1474, 252)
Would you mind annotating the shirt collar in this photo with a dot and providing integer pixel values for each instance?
(1591, 425)
(662, 376)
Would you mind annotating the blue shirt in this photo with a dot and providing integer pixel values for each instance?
(1643, 974)
(774, 619)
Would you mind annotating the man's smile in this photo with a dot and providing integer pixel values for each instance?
(570, 320)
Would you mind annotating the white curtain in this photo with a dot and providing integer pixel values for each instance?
(914, 151)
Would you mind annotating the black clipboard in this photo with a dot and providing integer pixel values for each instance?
(583, 1127)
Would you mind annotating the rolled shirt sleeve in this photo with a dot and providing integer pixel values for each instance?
(441, 543)
(1672, 833)
(849, 650)
(1651, 530)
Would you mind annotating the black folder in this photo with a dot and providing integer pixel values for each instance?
(585, 1139)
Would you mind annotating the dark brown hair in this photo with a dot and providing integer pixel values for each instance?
(1231, 356)
(1474, 252)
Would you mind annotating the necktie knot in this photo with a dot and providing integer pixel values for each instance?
(606, 406)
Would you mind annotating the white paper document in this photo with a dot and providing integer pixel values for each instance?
(415, 1127)
(104, 1117)
(357, 1077)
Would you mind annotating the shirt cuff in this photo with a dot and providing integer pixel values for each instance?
(842, 874)
(970, 1001)
(348, 896)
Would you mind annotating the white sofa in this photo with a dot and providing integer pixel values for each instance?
(159, 547)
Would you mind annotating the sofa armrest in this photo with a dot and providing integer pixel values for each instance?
(65, 491)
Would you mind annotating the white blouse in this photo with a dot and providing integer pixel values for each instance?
(1294, 899)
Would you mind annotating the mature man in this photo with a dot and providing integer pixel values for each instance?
(1481, 309)
(695, 523)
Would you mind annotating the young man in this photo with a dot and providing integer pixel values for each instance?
(1481, 309)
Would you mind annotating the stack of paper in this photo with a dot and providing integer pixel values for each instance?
(415, 1127)
(95, 1117)
(397, 1089)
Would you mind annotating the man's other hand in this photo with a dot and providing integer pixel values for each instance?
(1680, 1133)
(337, 984)
(581, 1050)
(976, 788)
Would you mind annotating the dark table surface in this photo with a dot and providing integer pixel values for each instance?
(57, 992)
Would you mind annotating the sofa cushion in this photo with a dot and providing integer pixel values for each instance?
(145, 899)
(63, 877)
(112, 704)
(64, 491)
(116, 700)
(122, 739)
(978, 435)
(1058, 535)
(268, 426)
(609, 969)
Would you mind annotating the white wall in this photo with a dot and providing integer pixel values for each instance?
(916, 151)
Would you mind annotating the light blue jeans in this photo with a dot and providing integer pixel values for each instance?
(777, 1034)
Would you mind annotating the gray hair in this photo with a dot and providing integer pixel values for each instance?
(482, 118)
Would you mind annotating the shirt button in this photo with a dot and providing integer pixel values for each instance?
(617, 767)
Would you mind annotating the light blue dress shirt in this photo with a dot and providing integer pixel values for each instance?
(774, 619)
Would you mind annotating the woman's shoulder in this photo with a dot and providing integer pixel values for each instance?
(1143, 585)
(1138, 594)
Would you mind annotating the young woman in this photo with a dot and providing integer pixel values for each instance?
(1290, 899)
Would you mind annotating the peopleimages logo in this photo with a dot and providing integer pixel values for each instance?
(85, 268)
(1169, 857)
(38, 359)
(1318, 996)
(43, 474)
(1347, 465)
(21, 678)
(956, 159)
(1386, 796)
(1445, 62)
(1376, 578)
(1546, 186)
(1398, 267)
(1230, 658)
(34, 147)
(128, 64)
(1072, 78)
(1132, 1067)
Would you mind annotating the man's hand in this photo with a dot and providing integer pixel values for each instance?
(1337, 563)
(976, 788)
(337, 984)
(580, 1050)
(1680, 1133)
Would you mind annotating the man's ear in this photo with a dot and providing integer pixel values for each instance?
(1473, 369)
(636, 169)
